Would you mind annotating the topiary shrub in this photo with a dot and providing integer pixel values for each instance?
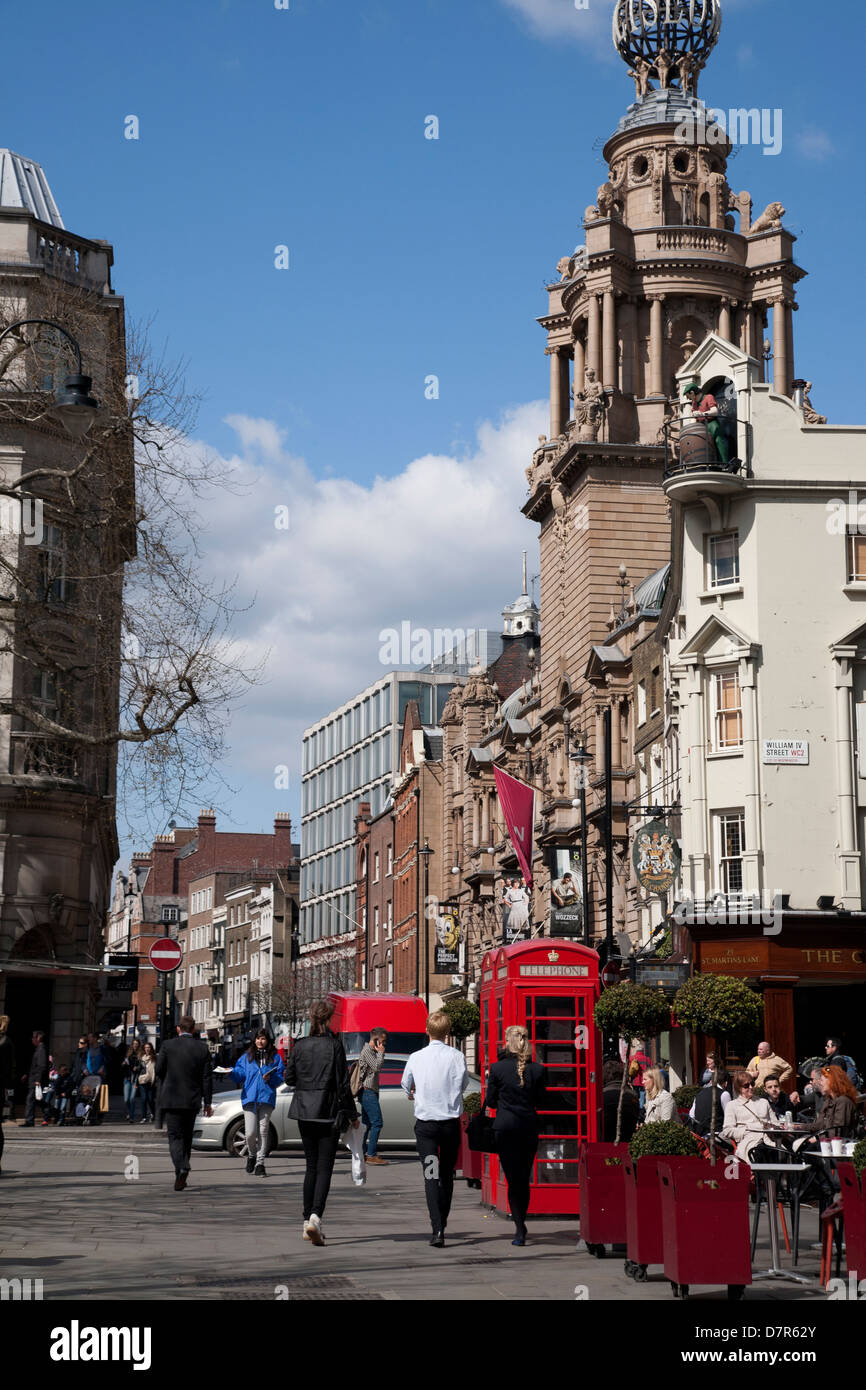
(685, 1095)
(665, 1137)
(472, 1103)
(723, 1007)
(859, 1158)
(464, 1017)
(630, 1011)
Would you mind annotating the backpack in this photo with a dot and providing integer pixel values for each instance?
(853, 1074)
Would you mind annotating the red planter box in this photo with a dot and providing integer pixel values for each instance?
(854, 1211)
(643, 1210)
(705, 1219)
(600, 1172)
(469, 1163)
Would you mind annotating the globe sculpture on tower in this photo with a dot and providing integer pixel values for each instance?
(669, 40)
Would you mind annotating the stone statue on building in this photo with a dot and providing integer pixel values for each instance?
(688, 70)
(770, 219)
(641, 74)
(810, 414)
(663, 65)
(589, 406)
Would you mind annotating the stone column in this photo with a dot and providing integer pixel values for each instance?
(485, 820)
(848, 858)
(751, 791)
(697, 776)
(609, 363)
(593, 336)
(628, 327)
(725, 320)
(656, 352)
(615, 734)
(579, 362)
(475, 821)
(556, 418)
(780, 347)
(789, 342)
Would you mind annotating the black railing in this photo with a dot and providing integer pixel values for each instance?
(710, 461)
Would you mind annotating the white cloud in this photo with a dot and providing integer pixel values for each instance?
(815, 144)
(438, 545)
(555, 19)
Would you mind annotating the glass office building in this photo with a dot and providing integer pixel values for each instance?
(350, 756)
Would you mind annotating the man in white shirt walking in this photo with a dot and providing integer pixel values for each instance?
(437, 1075)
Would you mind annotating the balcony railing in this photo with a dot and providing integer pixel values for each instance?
(691, 448)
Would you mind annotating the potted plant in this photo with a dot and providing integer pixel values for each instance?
(628, 1011)
(644, 1234)
(684, 1096)
(469, 1162)
(852, 1180)
(705, 1224)
(723, 1007)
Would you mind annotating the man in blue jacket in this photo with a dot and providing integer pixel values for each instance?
(259, 1071)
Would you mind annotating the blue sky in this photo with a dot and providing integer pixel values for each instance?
(408, 257)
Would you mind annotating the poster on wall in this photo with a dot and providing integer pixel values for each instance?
(515, 903)
(566, 891)
(446, 953)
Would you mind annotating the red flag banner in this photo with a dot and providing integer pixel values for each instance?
(518, 802)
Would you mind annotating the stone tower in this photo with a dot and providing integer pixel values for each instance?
(670, 254)
(60, 615)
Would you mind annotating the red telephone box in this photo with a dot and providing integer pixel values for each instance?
(550, 987)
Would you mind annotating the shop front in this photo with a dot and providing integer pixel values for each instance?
(811, 971)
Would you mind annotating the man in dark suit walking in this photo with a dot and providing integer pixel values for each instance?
(185, 1074)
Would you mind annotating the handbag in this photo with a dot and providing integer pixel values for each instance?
(480, 1134)
(103, 1099)
(37, 1091)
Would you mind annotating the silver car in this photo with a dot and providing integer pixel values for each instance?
(224, 1129)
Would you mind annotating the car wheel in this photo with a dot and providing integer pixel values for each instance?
(234, 1141)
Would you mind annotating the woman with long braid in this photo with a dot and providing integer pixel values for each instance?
(515, 1089)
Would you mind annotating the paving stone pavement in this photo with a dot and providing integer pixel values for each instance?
(94, 1214)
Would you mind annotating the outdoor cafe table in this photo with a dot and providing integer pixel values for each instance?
(777, 1134)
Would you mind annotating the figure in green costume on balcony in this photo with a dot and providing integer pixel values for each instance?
(705, 409)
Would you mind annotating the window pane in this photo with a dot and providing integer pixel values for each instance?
(856, 558)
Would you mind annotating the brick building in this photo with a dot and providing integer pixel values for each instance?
(190, 867)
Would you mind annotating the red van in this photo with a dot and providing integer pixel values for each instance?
(403, 1016)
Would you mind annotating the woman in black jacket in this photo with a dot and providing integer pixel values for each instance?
(515, 1089)
(323, 1106)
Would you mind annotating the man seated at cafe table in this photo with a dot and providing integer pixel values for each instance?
(781, 1104)
(767, 1063)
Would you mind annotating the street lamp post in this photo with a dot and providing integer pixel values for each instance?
(74, 407)
(580, 757)
(426, 851)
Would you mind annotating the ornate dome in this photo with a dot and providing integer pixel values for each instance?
(643, 29)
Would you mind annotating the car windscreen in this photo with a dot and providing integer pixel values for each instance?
(396, 1044)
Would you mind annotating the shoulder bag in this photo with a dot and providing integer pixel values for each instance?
(480, 1134)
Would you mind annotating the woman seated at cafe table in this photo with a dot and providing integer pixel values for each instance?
(660, 1104)
(746, 1119)
(837, 1118)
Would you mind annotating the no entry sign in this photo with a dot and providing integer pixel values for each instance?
(165, 955)
(611, 972)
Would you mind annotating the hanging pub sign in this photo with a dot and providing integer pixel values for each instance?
(656, 856)
(446, 954)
